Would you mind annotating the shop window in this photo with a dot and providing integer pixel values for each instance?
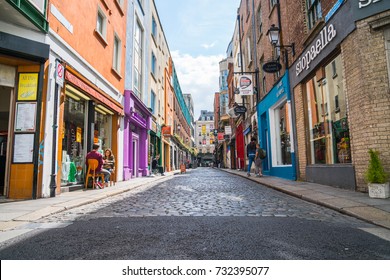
(102, 134)
(282, 134)
(327, 116)
(73, 161)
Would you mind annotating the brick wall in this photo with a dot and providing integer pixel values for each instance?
(301, 131)
(368, 95)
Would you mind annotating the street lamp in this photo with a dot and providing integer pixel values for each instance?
(273, 36)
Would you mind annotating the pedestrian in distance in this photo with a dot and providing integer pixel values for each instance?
(94, 154)
(258, 160)
(157, 168)
(251, 153)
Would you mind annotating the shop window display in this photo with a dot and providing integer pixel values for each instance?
(73, 141)
(282, 134)
(102, 130)
(327, 116)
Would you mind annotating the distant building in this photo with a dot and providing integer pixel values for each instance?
(204, 137)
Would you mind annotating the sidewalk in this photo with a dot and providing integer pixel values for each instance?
(15, 215)
(356, 204)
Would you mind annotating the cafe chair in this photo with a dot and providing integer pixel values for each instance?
(91, 173)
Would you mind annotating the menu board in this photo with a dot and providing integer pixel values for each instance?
(25, 116)
(23, 148)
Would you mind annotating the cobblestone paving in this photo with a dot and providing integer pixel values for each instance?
(204, 192)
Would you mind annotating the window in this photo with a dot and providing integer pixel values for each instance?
(154, 28)
(138, 45)
(154, 63)
(328, 121)
(259, 21)
(117, 54)
(153, 101)
(272, 3)
(248, 46)
(282, 134)
(314, 12)
(40, 4)
(101, 23)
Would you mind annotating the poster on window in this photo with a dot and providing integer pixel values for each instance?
(23, 148)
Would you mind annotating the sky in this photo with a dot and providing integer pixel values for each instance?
(198, 33)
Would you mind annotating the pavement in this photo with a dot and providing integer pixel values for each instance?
(14, 215)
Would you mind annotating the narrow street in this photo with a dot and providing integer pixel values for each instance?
(202, 214)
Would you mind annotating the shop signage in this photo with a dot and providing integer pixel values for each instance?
(245, 85)
(28, 86)
(334, 9)
(272, 67)
(340, 25)
(60, 70)
(366, 8)
(327, 34)
(167, 131)
(92, 92)
(240, 109)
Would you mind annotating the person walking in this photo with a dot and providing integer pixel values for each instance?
(251, 153)
(258, 161)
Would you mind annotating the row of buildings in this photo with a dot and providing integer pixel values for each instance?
(320, 72)
(74, 73)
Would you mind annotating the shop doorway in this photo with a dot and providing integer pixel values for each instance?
(5, 105)
(135, 155)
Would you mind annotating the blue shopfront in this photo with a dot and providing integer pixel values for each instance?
(276, 131)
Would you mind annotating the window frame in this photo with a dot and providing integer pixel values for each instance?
(103, 30)
(117, 54)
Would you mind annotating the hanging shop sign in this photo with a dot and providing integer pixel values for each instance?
(272, 67)
(60, 71)
(240, 109)
(167, 131)
(245, 85)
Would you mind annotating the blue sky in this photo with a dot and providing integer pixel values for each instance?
(198, 33)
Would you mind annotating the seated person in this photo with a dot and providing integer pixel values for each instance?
(109, 162)
(157, 168)
(94, 154)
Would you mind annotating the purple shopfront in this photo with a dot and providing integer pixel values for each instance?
(136, 127)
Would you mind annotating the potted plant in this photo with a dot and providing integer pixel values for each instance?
(378, 186)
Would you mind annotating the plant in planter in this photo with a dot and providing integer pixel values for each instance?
(378, 186)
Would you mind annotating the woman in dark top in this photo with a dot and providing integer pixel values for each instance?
(108, 162)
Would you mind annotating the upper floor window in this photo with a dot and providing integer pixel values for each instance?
(117, 54)
(259, 21)
(154, 28)
(272, 3)
(154, 64)
(314, 12)
(153, 101)
(138, 49)
(101, 23)
(40, 4)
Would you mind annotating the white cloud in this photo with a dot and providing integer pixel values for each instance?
(198, 76)
(208, 46)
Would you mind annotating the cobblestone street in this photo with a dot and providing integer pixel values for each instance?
(204, 192)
